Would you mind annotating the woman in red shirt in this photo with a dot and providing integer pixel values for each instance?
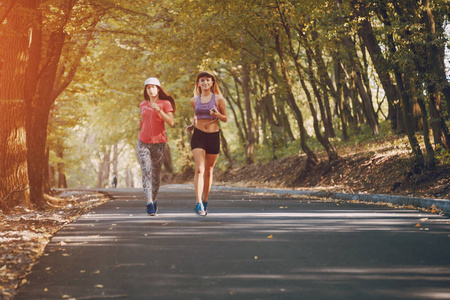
(157, 109)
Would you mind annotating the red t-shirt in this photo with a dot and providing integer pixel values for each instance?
(153, 129)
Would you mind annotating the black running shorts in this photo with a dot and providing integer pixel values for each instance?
(210, 142)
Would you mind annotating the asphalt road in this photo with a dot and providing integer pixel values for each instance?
(250, 246)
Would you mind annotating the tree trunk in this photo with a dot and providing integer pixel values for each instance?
(100, 175)
(115, 159)
(17, 55)
(62, 183)
(104, 168)
(38, 121)
(47, 171)
(319, 98)
(339, 98)
(437, 81)
(311, 156)
(226, 150)
(323, 140)
(365, 97)
(280, 104)
(440, 130)
(129, 178)
(332, 155)
(325, 82)
(431, 158)
(365, 31)
(51, 176)
(14, 185)
(436, 51)
(352, 93)
(238, 118)
(107, 167)
(168, 164)
(47, 90)
(419, 161)
(348, 96)
(248, 110)
(276, 136)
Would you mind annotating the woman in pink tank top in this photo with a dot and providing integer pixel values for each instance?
(209, 108)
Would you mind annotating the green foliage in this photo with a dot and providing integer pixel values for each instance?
(173, 40)
(443, 155)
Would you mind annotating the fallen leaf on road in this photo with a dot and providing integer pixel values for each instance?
(24, 234)
(417, 225)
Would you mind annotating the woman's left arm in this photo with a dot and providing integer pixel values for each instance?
(221, 114)
(167, 117)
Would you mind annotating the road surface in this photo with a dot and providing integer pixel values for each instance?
(250, 246)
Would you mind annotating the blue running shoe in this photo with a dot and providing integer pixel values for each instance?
(199, 210)
(205, 207)
(151, 208)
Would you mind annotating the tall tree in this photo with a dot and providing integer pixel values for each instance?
(365, 30)
(56, 72)
(19, 33)
(248, 109)
(311, 156)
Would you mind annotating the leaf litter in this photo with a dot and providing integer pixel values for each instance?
(25, 233)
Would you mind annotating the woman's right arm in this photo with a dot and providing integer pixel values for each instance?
(139, 122)
(191, 126)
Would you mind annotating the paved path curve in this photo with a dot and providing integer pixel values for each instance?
(250, 246)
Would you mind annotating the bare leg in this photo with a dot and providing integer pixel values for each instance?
(210, 162)
(199, 159)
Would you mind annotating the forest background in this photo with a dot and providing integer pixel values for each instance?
(302, 78)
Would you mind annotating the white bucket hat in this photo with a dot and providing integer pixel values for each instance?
(152, 80)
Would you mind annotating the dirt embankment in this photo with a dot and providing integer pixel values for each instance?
(380, 170)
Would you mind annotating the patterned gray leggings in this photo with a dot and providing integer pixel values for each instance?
(150, 157)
